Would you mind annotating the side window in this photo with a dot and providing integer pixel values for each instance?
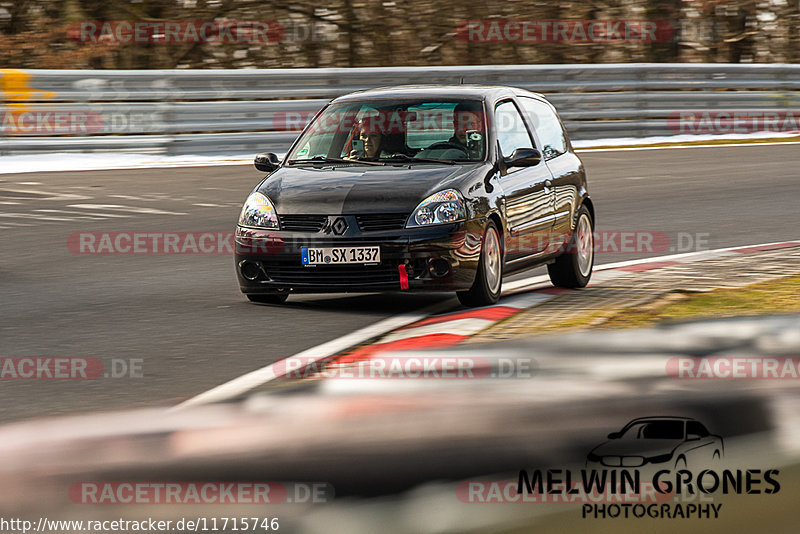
(547, 127)
(511, 131)
(694, 427)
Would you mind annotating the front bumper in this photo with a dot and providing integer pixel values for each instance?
(438, 258)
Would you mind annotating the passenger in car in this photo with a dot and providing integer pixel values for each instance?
(372, 139)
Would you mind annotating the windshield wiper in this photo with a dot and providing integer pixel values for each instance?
(326, 159)
(412, 159)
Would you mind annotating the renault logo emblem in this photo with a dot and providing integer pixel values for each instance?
(339, 226)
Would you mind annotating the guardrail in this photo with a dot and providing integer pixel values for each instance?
(248, 111)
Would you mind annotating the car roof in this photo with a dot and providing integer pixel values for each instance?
(661, 418)
(466, 91)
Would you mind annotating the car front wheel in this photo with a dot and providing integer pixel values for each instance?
(573, 268)
(489, 279)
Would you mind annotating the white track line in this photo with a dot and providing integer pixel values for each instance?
(18, 215)
(253, 379)
(119, 207)
(87, 213)
(456, 327)
(43, 195)
(527, 300)
(524, 284)
(67, 162)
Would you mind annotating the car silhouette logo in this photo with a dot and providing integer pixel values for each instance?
(339, 226)
(663, 442)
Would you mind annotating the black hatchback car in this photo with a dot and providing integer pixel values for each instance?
(432, 188)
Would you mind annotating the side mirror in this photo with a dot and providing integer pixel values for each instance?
(614, 435)
(267, 162)
(692, 437)
(524, 157)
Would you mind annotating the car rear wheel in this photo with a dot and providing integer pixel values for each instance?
(489, 279)
(268, 298)
(574, 267)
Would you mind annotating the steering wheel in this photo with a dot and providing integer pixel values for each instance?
(443, 145)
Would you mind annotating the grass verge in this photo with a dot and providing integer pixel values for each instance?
(775, 296)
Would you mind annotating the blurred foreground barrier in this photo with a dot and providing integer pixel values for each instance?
(247, 111)
(357, 454)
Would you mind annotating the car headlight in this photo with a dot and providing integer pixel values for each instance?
(258, 212)
(660, 459)
(443, 207)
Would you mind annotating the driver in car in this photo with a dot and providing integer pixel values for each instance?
(465, 118)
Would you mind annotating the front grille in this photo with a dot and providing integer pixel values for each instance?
(303, 223)
(381, 221)
(333, 275)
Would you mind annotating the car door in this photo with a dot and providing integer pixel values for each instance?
(701, 446)
(529, 198)
(563, 164)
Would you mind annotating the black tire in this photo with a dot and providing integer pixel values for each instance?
(268, 298)
(481, 293)
(572, 269)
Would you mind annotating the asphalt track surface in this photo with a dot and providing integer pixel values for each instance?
(182, 317)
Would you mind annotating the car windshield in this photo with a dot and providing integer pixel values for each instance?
(655, 430)
(418, 131)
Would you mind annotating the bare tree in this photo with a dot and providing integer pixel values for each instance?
(355, 33)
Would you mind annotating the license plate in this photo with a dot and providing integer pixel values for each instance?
(339, 255)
